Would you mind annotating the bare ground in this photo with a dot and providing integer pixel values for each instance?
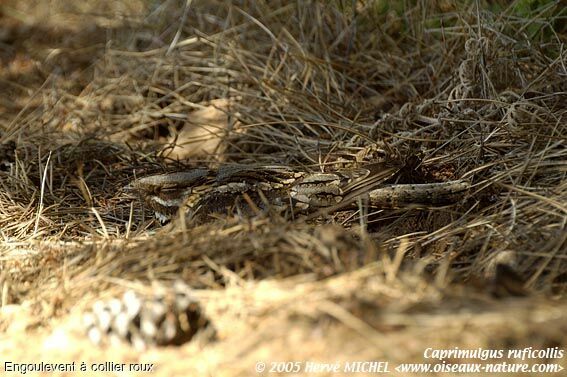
(95, 95)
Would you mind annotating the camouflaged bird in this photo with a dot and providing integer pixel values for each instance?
(250, 189)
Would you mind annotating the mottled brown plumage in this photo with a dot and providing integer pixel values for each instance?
(248, 189)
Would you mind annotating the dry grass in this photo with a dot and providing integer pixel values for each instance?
(95, 98)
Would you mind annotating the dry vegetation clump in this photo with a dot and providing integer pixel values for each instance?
(448, 91)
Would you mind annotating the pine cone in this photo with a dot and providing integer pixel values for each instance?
(168, 317)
